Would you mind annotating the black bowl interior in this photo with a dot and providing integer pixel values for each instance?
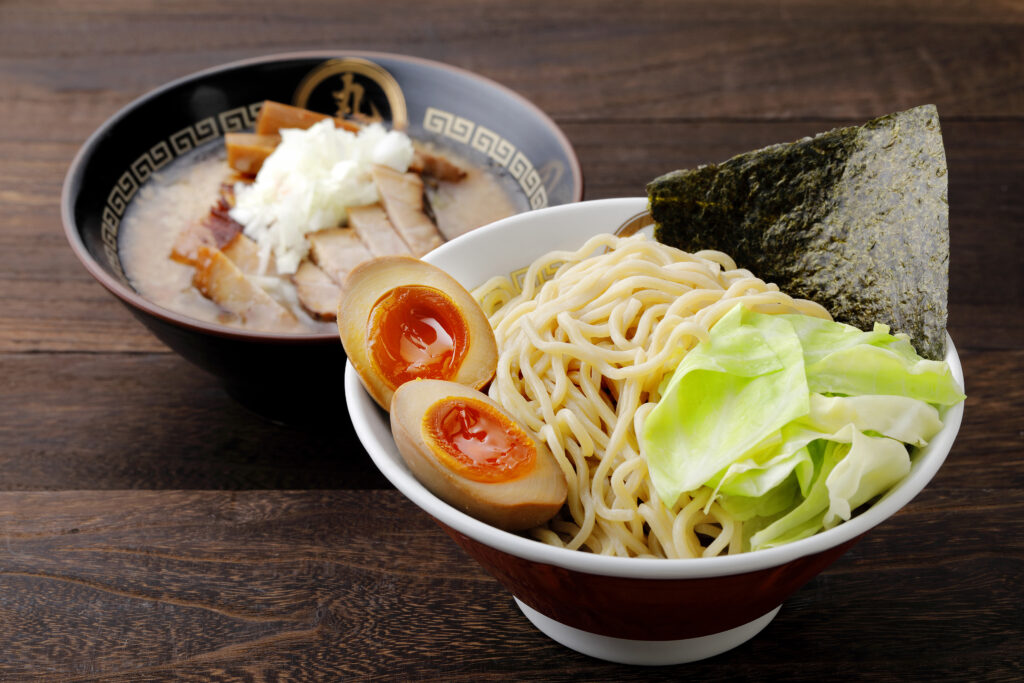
(481, 120)
(281, 374)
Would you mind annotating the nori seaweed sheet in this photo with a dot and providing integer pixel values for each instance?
(856, 219)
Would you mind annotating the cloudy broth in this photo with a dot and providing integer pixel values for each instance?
(183, 193)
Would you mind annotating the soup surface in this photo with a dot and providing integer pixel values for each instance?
(182, 196)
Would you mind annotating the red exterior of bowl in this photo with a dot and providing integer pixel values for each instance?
(647, 609)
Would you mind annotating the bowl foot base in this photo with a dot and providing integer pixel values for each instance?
(646, 652)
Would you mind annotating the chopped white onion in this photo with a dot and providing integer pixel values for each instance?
(308, 183)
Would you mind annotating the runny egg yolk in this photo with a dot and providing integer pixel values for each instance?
(474, 440)
(416, 332)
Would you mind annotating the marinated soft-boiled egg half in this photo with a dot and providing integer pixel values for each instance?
(402, 319)
(468, 451)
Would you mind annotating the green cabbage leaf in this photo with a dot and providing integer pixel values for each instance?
(794, 421)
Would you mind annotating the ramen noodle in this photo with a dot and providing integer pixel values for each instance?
(582, 355)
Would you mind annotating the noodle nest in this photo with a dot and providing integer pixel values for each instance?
(581, 356)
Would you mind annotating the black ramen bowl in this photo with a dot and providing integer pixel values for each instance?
(282, 374)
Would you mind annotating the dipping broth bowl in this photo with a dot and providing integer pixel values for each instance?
(278, 373)
(626, 610)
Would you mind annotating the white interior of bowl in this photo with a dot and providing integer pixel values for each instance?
(513, 243)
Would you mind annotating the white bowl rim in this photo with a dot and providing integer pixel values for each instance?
(137, 302)
(363, 410)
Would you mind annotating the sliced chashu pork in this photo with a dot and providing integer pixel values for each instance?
(372, 226)
(223, 282)
(248, 151)
(337, 251)
(216, 229)
(317, 291)
(433, 164)
(245, 253)
(402, 197)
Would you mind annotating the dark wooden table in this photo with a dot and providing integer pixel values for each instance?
(151, 528)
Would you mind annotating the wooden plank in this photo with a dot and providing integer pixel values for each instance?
(149, 585)
(741, 59)
(152, 421)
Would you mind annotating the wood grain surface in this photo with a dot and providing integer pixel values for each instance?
(153, 529)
